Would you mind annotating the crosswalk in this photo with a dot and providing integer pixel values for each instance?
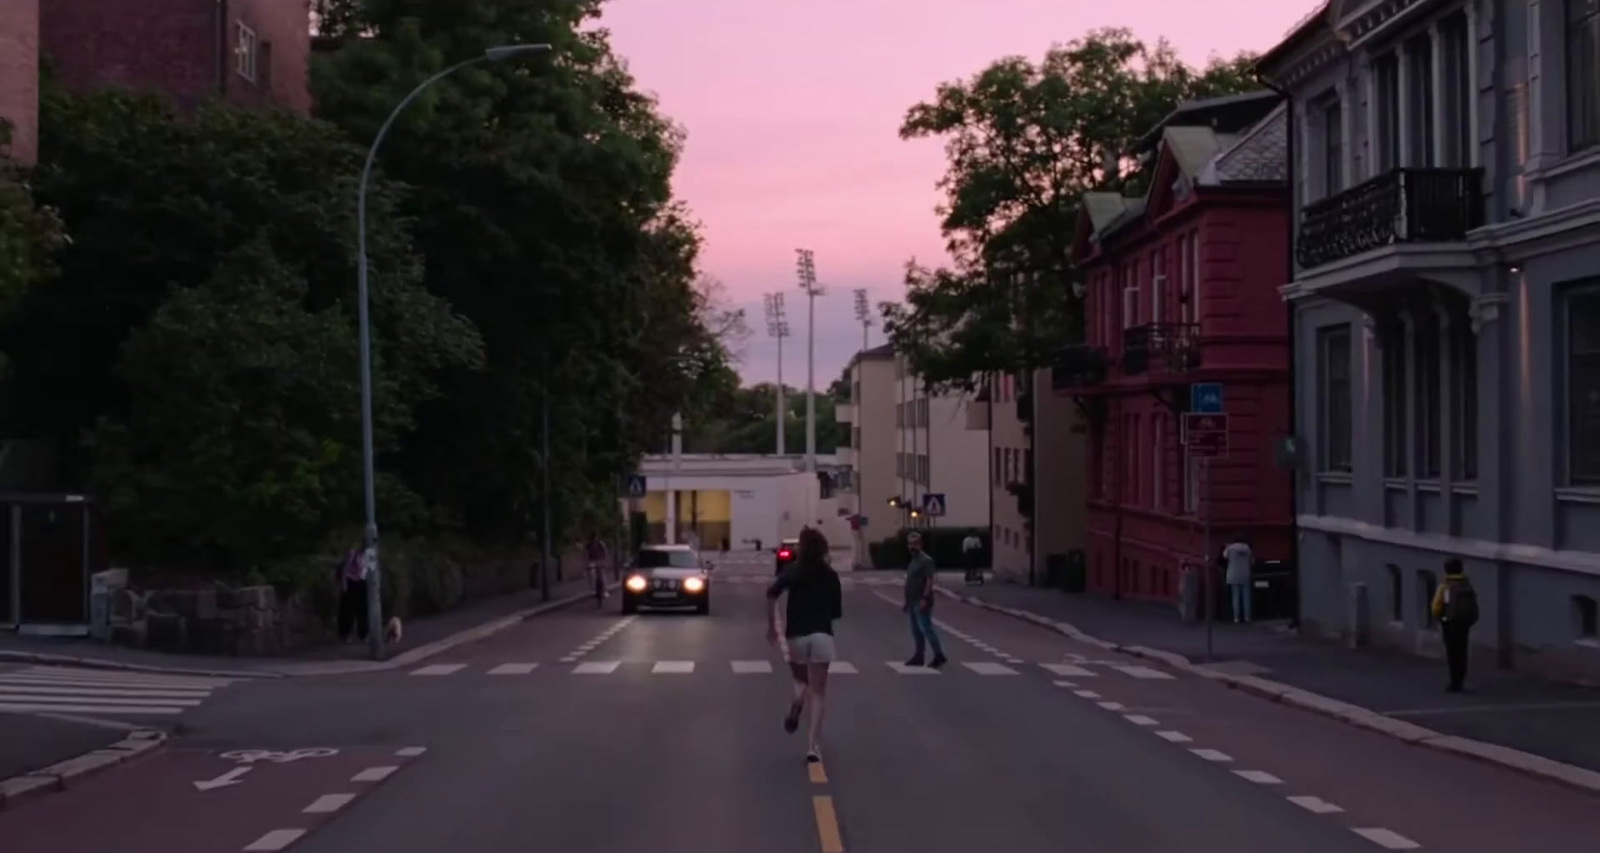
(1089, 670)
(66, 690)
(846, 578)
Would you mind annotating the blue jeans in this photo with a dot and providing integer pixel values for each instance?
(922, 632)
(1241, 600)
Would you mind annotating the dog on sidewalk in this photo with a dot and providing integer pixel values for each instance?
(393, 630)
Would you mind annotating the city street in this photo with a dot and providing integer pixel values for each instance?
(591, 732)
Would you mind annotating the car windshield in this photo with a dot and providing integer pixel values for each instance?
(653, 559)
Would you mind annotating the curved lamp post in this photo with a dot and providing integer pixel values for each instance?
(370, 540)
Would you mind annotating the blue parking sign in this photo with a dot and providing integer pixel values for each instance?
(1205, 398)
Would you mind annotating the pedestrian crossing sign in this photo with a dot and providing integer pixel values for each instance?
(933, 503)
(633, 486)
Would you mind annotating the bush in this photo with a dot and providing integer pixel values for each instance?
(419, 579)
(943, 544)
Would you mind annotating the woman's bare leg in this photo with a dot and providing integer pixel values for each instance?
(818, 675)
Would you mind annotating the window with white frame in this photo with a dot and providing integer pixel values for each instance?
(1386, 113)
(1334, 398)
(1583, 384)
(1583, 74)
(247, 53)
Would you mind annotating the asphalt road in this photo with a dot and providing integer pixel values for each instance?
(591, 732)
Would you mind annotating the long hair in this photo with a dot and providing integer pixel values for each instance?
(813, 548)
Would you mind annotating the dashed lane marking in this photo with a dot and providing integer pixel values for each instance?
(818, 775)
(673, 667)
(1140, 720)
(1260, 777)
(1174, 737)
(596, 667)
(410, 751)
(373, 774)
(902, 669)
(439, 669)
(990, 668)
(1387, 839)
(1143, 672)
(1212, 755)
(1315, 805)
(1112, 706)
(752, 667)
(1087, 694)
(1067, 670)
(827, 825)
(843, 668)
(277, 839)
(514, 669)
(328, 803)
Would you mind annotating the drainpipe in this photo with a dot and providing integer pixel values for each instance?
(990, 485)
(1294, 376)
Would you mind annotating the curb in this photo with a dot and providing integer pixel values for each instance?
(1582, 779)
(65, 774)
(314, 668)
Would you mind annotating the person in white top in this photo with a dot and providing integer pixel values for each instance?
(972, 550)
(1239, 558)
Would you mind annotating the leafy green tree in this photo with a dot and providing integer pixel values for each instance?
(1024, 141)
(30, 234)
(543, 204)
(203, 320)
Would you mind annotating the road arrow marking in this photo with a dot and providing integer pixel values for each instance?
(229, 778)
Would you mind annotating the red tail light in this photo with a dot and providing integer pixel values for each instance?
(785, 554)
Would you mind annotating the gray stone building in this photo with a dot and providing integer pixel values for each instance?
(1446, 316)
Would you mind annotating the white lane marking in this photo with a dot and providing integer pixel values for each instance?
(328, 803)
(373, 774)
(752, 667)
(1259, 777)
(1315, 805)
(1142, 672)
(911, 670)
(1012, 660)
(1068, 670)
(1387, 839)
(1087, 694)
(570, 658)
(1174, 737)
(514, 669)
(990, 668)
(843, 667)
(277, 839)
(439, 669)
(596, 667)
(1212, 755)
(70, 696)
(1112, 706)
(1064, 683)
(99, 684)
(90, 709)
(410, 751)
(18, 690)
(1140, 720)
(122, 677)
(118, 725)
(673, 667)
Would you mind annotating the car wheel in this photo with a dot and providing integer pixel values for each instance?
(629, 605)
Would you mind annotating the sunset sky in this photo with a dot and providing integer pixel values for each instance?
(793, 107)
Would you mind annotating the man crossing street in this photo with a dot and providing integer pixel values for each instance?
(919, 604)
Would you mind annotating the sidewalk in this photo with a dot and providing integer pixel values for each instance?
(1549, 719)
(419, 634)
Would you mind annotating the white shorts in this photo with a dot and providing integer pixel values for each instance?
(811, 648)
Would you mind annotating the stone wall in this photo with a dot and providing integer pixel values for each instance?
(218, 620)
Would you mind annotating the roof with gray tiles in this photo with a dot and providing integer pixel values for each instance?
(1261, 155)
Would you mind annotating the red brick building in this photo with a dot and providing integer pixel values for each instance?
(1182, 287)
(248, 51)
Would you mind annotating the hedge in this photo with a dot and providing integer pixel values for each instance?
(943, 544)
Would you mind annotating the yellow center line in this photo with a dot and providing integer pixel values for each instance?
(819, 776)
(827, 825)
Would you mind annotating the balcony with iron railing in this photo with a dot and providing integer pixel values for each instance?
(1160, 348)
(1400, 206)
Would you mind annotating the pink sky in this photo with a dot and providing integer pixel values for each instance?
(793, 109)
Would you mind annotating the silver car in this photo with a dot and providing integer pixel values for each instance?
(667, 576)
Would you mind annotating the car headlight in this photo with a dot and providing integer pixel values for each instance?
(637, 583)
(694, 584)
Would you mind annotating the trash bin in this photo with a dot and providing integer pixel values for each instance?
(1272, 590)
(1077, 571)
(1055, 571)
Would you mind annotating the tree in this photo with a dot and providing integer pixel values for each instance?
(544, 206)
(202, 326)
(30, 234)
(1024, 141)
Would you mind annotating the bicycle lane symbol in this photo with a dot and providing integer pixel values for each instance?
(252, 756)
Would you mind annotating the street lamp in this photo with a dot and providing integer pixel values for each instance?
(863, 315)
(778, 329)
(370, 537)
(806, 269)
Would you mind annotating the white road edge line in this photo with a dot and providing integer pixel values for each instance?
(277, 839)
(1315, 805)
(1387, 839)
(328, 803)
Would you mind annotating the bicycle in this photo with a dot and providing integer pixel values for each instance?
(597, 572)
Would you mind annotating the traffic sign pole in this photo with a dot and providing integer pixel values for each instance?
(1206, 582)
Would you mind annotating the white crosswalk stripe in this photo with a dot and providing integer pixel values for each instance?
(752, 667)
(1142, 672)
(990, 668)
(1067, 670)
(1101, 671)
(65, 690)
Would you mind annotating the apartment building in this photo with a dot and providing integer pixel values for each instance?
(253, 52)
(1446, 302)
(1181, 288)
(1037, 474)
(870, 457)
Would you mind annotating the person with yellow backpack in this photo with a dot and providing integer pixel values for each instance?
(1455, 605)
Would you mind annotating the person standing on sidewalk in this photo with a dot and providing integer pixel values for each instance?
(352, 585)
(919, 603)
(816, 600)
(1455, 605)
(1239, 559)
(971, 550)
